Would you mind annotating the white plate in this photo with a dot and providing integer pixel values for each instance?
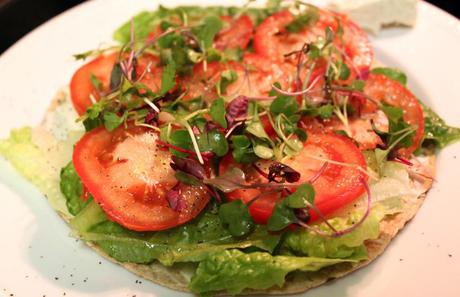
(37, 257)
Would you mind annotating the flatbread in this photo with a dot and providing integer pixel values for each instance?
(177, 277)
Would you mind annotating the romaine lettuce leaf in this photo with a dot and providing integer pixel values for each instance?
(234, 271)
(303, 242)
(39, 163)
(188, 243)
(72, 189)
(437, 132)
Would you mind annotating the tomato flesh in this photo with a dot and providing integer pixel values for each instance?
(335, 187)
(381, 88)
(273, 41)
(129, 176)
(255, 76)
(81, 88)
(237, 35)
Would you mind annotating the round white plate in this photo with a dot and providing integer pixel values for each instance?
(38, 258)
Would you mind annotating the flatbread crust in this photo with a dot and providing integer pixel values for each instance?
(178, 277)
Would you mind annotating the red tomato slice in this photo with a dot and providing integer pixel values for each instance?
(360, 127)
(336, 187)
(101, 67)
(381, 88)
(237, 34)
(129, 176)
(81, 87)
(273, 41)
(267, 39)
(255, 76)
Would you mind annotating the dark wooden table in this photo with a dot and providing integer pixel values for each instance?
(18, 17)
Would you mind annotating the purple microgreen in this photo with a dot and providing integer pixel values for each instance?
(362, 74)
(128, 66)
(403, 160)
(206, 155)
(210, 126)
(280, 173)
(230, 131)
(237, 108)
(260, 171)
(300, 57)
(319, 173)
(173, 197)
(196, 130)
(189, 166)
(151, 117)
(352, 91)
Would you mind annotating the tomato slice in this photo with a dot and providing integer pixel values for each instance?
(273, 41)
(360, 127)
(381, 88)
(81, 88)
(338, 185)
(255, 76)
(129, 176)
(335, 187)
(237, 33)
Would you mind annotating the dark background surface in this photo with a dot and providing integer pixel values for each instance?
(18, 17)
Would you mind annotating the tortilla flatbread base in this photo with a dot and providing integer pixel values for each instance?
(177, 277)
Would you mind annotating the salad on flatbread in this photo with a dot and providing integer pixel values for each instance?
(235, 150)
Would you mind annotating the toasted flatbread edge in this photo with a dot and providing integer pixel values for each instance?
(178, 279)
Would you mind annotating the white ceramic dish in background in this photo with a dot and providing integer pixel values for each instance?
(37, 257)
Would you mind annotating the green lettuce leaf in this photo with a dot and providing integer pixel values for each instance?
(188, 243)
(349, 246)
(72, 189)
(39, 157)
(437, 132)
(387, 195)
(234, 271)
